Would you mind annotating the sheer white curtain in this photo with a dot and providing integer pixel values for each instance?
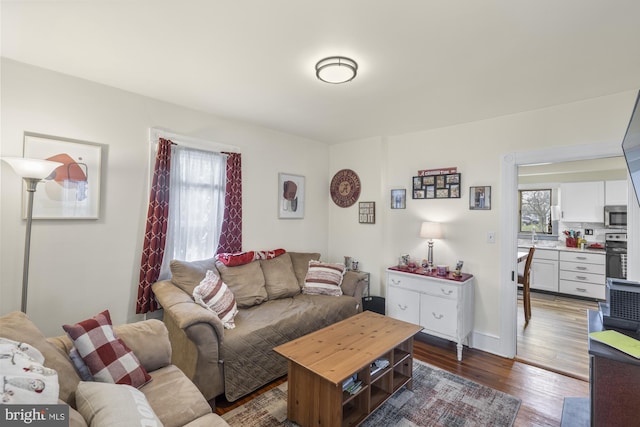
(196, 205)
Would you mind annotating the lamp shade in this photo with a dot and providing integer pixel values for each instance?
(31, 168)
(336, 69)
(431, 230)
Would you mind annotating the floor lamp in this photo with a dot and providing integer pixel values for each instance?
(32, 172)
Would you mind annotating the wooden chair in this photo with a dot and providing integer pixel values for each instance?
(524, 280)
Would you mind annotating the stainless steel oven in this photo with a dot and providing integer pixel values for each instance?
(615, 216)
(616, 255)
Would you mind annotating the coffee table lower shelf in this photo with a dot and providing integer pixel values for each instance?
(313, 400)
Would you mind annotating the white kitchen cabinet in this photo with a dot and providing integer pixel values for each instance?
(544, 269)
(615, 192)
(583, 274)
(442, 306)
(582, 201)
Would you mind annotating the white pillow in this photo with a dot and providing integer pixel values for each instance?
(214, 294)
(323, 279)
(25, 380)
(114, 405)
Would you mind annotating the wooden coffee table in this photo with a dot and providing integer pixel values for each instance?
(320, 362)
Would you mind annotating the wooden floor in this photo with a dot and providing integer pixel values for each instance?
(541, 391)
(556, 336)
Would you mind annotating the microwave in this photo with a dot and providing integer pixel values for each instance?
(615, 216)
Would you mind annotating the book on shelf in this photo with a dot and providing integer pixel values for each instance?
(349, 382)
(378, 365)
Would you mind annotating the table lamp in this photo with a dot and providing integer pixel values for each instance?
(32, 172)
(430, 230)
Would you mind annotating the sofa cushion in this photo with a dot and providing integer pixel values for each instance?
(108, 357)
(300, 261)
(188, 274)
(323, 279)
(18, 327)
(245, 281)
(174, 398)
(214, 294)
(24, 379)
(280, 279)
(104, 404)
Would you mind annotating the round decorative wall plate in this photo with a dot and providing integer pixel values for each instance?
(345, 188)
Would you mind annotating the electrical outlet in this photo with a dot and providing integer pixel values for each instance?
(588, 231)
(491, 237)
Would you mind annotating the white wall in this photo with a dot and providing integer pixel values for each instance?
(79, 268)
(476, 149)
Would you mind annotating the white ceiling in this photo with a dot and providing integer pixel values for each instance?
(423, 63)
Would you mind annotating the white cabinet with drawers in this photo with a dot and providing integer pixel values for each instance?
(442, 306)
(582, 274)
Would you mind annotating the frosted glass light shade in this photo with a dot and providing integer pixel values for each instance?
(431, 230)
(336, 69)
(31, 168)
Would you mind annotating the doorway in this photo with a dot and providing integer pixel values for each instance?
(510, 218)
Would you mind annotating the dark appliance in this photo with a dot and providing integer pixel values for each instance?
(615, 245)
(615, 216)
(631, 147)
(622, 307)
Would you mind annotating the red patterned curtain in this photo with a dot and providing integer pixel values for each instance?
(156, 230)
(231, 233)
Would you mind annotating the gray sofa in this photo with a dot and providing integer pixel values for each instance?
(173, 398)
(241, 360)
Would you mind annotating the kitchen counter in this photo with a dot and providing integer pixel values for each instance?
(557, 246)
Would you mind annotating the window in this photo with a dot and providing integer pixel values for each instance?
(196, 205)
(535, 211)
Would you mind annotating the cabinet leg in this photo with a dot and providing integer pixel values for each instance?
(459, 347)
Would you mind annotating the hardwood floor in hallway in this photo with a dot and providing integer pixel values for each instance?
(556, 336)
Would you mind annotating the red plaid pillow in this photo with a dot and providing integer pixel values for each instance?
(107, 356)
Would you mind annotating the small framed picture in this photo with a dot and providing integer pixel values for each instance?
(399, 198)
(480, 198)
(367, 212)
(290, 196)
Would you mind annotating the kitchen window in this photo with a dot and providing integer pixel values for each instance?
(535, 211)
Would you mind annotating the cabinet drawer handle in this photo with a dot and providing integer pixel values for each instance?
(581, 290)
(395, 282)
(437, 316)
(402, 307)
(580, 268)
(581, 257)
(446, 292)
(581, 278)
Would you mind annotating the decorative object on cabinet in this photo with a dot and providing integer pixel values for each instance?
(437, 184)
(347, 262)
(32, 171)
(345, 188)
(73, 190)
(367, 212)
(442, 305)
(480, 198)
(430, 230)
(458, 271)
(399, 198)
(290, 196)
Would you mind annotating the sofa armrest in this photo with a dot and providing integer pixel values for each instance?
(196, 336)
(354, 283)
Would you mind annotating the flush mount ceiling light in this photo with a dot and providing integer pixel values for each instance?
(336, 69)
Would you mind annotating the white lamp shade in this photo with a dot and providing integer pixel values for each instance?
(431, 230)
(31, 168)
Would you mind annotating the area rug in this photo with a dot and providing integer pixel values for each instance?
(439, 398)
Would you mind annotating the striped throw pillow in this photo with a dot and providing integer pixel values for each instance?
(214, 294)
(323, 279)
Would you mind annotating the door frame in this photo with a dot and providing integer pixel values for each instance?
(509, 221)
